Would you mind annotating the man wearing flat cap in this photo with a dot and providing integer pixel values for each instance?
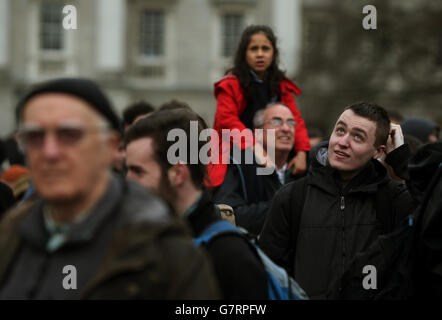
(90, 234)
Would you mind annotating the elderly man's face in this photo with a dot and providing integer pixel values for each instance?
(280, 119)
(65, 146)
(352, 142)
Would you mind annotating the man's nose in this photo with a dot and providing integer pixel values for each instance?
(285, 127)
(51, 148)
(344, 140)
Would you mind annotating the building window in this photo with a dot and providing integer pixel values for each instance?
(152, 33)
(51, 32)
(232, 25)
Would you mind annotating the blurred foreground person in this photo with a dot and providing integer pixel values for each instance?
(90, 234)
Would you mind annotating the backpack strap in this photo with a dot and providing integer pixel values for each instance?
(279, 284)
(219, 227)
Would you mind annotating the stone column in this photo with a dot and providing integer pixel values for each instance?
(4, 33)
(287, 26)
(111, 35)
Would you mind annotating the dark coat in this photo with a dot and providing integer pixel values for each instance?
(336, 222)
(249, 194)
(136, 251)
(426, 167)
(239, 270)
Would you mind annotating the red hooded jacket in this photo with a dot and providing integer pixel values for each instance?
(231, 103)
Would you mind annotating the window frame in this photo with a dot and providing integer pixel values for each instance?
(233, 38)
(52, 27)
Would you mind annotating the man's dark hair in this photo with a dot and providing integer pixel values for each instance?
(178, 104)
(157, 127)
(174, 104)
(378, 115)
(135, 110)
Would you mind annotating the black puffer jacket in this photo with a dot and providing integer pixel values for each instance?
(335, 224)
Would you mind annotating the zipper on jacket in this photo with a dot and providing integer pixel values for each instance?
(342, 206)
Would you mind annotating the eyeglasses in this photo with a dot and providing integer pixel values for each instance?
(278, 122)
(65, 135)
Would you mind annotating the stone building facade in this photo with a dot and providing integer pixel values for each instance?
(160, 50)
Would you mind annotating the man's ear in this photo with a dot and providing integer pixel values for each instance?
(380, 150)
(178, 174)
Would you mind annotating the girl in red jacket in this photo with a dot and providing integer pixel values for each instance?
(253, 82)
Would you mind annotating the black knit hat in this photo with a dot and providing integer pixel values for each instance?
(85, 89)
(419, 128)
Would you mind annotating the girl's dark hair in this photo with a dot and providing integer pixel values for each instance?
(242, 70)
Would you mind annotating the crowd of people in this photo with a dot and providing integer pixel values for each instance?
(87, 189)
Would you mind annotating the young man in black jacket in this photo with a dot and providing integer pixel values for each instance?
(240, 273)
(318, 224)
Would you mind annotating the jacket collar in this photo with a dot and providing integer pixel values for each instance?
(327, 178)
(33, 230)
(255, 77)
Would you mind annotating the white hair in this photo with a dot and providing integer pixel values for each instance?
(258, 118)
